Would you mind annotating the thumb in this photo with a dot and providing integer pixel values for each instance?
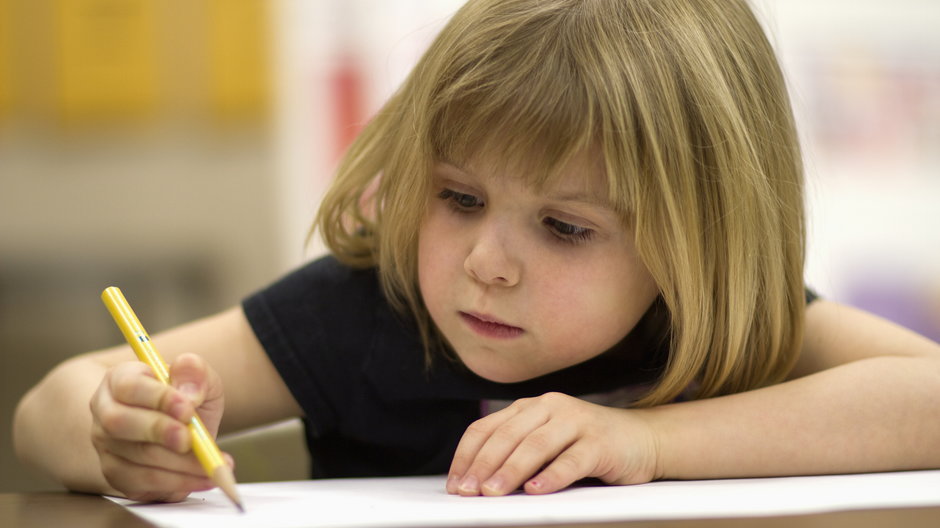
(192, 376)
(188, 375)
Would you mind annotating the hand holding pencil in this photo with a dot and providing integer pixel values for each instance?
(144, 427)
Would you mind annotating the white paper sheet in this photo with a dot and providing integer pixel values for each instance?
(421, 501)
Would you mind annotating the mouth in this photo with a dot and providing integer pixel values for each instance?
(489, 327)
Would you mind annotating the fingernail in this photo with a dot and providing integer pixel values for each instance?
(452, 482)
(189, 389)
(535, 484)
(494, 485)
(469, 486)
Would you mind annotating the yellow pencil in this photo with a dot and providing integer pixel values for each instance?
(203, 445)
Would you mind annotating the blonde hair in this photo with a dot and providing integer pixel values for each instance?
(686, 104)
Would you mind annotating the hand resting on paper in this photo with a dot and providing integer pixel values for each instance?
(546, 443)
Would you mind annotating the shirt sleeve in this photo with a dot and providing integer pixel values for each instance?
(314, 324)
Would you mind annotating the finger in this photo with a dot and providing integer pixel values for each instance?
(497, 447)
(195, 379)
(146, 483)
(575, 463)
(188, 374)
(133, 384)
(538, 448)
(470, 443)
(135, 424)
(155, 455)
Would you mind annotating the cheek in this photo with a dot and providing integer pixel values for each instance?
(426, 265)
(436, 256)
(594, 310)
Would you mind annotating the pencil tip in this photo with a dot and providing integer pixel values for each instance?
(225, 479)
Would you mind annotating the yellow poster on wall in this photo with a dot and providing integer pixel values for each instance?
(6, 59)
(105, 55)
(238, 41)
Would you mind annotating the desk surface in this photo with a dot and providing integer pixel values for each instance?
(42, 510)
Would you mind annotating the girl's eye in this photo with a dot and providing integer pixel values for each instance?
(460, 201)
(568, 232)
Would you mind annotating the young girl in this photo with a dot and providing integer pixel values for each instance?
(568, 201)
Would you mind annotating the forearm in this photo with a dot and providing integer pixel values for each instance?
(871, 415)
(52, 426)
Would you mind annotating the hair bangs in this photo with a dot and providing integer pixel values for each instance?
(514, 110)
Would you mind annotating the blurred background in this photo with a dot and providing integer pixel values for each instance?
(178, 149)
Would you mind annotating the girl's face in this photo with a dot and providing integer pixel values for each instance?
(523, 283)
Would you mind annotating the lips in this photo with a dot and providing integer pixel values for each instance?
(490, 327)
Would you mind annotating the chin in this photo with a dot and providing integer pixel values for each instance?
(497, 375)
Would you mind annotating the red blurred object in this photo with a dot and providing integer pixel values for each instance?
(347, 86)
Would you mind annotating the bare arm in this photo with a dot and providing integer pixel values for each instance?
(862, 398)
(53, 421)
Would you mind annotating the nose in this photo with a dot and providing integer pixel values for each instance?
(491, 260)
